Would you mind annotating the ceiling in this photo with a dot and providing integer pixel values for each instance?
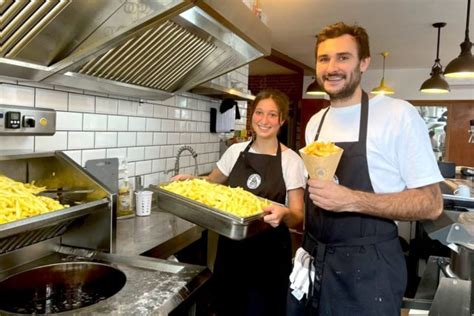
(401, 27)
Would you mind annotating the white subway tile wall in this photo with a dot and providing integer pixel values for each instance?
(147, 134)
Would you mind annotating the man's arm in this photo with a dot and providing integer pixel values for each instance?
(412, 204)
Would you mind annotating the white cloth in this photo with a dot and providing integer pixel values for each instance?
(399, 153)
(291, 164)
(299, 281)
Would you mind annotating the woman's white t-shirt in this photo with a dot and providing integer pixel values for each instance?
(291, 165)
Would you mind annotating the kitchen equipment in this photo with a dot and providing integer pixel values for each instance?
(143, 202)
(106, 170)
(59, 287)
(87, 223)
(80, 241)
(134, 48)
(451, 292)
(222, 223)
(25, 121)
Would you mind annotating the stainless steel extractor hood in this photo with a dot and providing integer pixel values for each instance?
(140, 48)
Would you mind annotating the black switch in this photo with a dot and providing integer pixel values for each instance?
(28, 121)
(12, 119)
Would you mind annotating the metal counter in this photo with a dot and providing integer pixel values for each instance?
(139, 234)
(155, 292)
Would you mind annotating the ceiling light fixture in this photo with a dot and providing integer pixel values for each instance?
(315, 89)
(463, 65)
(383, 88)
(436, 83)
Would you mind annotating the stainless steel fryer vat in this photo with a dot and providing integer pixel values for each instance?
(59, 287)
(92, 208)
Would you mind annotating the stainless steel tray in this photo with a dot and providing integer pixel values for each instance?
(225, 224)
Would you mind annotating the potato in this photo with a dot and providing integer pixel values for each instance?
(321, 149)
(18, 200)
(236, 201)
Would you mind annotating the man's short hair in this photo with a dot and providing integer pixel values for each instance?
(338, 29)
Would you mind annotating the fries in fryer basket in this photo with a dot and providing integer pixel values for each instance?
(235, 201)
(18, 200)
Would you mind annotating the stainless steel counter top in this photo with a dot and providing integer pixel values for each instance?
(139, 234)
(152, 292)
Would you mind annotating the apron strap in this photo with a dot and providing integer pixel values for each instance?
(316, 137)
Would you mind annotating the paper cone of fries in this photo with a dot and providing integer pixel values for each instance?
(321, 160)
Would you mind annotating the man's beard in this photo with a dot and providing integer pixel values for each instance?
(348, 90)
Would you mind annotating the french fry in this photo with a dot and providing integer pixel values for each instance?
(321, 159)
(321, 149)
(236, 201)
(18, 201)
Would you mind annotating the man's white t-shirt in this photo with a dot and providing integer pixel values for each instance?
(399, 153)
(291, 165)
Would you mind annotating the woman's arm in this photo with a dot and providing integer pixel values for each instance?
(292, 215)
(216, 176)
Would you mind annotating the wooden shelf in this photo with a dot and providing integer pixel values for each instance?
(220, 92)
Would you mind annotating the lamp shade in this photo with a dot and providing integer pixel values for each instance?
(315, 89)
(436, 83)
(463, 65)
(383, 88)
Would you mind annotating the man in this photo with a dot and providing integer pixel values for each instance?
(351, 262)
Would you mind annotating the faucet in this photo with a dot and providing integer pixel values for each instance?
(178, 155)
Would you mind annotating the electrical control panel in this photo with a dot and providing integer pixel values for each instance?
(22, 120)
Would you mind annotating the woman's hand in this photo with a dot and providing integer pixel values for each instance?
(183, 176)
(275, 215)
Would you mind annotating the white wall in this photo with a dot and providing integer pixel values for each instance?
(406, 83)
(148, 134)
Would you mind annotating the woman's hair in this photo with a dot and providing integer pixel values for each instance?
(338, 29)
(280, 99)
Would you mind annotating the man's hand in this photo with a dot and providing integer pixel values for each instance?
(330, 195)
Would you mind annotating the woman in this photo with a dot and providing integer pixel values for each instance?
(251, 275)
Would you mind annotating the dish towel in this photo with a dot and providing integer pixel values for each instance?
(228, 104)
(299, 281)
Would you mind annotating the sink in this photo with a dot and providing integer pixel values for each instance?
(59, 287)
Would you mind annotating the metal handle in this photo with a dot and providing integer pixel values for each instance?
(443, 264)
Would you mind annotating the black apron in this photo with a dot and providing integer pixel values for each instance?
(251, 275)
(358, 262)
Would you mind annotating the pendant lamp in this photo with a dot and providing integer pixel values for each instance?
(315, 89)
(463, 65)
(383, 88)
(436, 83)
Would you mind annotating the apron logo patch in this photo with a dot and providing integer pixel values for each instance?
(254, 181)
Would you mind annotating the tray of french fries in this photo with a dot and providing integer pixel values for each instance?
(26, 206)
(321, 159)
(231, 212)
